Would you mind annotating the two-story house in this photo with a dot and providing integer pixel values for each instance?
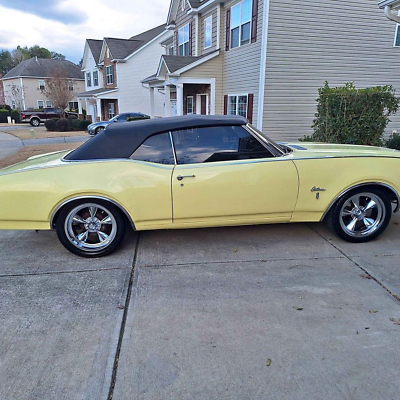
(113, 69)
(266, 59)
(24, 85)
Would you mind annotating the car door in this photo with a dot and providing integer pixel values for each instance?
(224, 175)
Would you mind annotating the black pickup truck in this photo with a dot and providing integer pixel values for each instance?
(35, 117)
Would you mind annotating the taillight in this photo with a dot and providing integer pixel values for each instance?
(23, 116)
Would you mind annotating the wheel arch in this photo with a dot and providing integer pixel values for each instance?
(56, 211)
(387, 189)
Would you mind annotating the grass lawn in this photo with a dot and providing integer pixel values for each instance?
(38, 133)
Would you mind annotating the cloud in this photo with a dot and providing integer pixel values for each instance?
(57, 10)
(123, 19)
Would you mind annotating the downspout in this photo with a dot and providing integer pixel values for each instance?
(263, 65)
(392, 16)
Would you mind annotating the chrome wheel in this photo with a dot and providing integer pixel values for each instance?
(90, 227)
(100, 129)
(362, 214)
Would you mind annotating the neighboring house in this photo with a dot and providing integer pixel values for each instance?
(266, 59)
(2, 98)
(24, 84)
(113, 69)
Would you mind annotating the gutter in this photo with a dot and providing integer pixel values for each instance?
(392, 16)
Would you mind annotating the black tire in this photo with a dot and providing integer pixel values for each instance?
(35, 122)
(101, 231)
(360, 215)
(99, 129)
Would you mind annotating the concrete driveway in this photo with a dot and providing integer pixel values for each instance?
(261, 312)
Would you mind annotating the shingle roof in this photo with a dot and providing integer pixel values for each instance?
(194, 3)
(174, 63)
(121, 48)
(43, 68)
(95, 47)
(90, 93)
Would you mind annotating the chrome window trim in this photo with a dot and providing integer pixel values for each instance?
(58, 208)
(360, 185)
(173, 148)
(276, 152)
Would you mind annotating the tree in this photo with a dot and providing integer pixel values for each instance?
(59, 88)
(16, 96)
(39, 52)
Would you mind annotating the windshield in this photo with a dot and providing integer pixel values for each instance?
(283, 149)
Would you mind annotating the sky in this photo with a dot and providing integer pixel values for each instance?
(64, 25)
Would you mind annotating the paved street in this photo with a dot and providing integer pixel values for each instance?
(207, 310)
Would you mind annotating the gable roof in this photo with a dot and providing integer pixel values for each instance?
(95, 47)
(43, 68)
(122, 48)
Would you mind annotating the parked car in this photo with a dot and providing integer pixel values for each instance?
(97, 127)
(35, 117)
(197, 171)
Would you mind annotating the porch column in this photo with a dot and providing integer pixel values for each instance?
(212, 97)
(99, 111)
(179, 98)
(79, 105)
(151, 102)
(167, 101)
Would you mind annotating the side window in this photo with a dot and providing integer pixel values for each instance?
(155, 149)
(222, 143)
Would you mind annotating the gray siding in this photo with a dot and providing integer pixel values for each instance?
(241, 65)
(213, 47)
(318, 40)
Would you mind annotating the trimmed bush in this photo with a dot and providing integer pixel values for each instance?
(62, 125)
(14, 114)
(5, 107)
(353, 116)
(394, 141)
(51, 124)
(79, 124)
(136, 118)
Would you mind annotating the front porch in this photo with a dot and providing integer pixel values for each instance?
(100, 104)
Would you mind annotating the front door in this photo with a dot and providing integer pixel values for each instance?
(226, 176)
(202, 101)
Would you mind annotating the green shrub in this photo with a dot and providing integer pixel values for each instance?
(51, 124)
(5, 107)
(136, 118)
(394, 141)
(14, 114)
(79, 125)
(62, 125)
(353, 116)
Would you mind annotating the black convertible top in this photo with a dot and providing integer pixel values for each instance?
(120, 140)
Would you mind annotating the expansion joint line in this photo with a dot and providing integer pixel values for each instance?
(368, 273)
(123, 324)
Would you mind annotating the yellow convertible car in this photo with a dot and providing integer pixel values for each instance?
(197, 171)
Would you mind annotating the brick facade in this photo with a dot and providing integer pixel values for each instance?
(107, 62)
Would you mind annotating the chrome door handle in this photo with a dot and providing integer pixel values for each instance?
(180, 177)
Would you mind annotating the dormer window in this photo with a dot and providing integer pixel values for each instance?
(183, 41)
(240, 24)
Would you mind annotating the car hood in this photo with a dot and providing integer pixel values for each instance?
(323, 150)
(40, 161)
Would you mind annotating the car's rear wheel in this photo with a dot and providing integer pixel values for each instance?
(99, 129)
(360, 215)
(35, 121)
(90, 229)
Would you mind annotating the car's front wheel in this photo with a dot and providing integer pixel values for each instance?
(360, 215)
(99, 129)
(35, 121)
(90, 229)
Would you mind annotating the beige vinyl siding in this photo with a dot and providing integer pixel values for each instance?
(314, 41)
(181, 20)
(210, 69)
(241, 65)
(213, 47)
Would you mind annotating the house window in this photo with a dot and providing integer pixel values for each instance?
(13, 104)
(208, 32)
(88, 79)
(40, 104)
(109, 75)
(170, 51)
(240, 23)
(237, 104)
(183, 41)
(189, 105)
(95, 78)
(41, 85)
(397, 34)
(48, 104)
(70, 85)
(73, 105)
